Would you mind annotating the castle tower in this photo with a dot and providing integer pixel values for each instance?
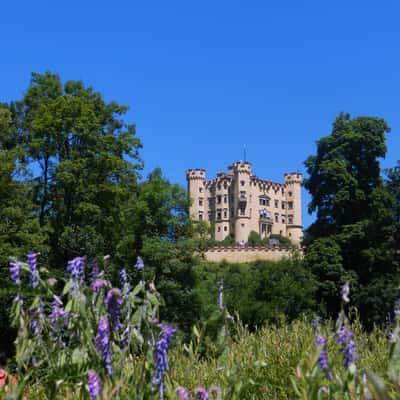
(196, 179)
(294, 228)
(241, 173)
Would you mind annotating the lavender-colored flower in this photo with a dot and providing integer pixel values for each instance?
(58, 315)
(103, 345)
(139, 264)
(201, 394)
(216, 392)
(114, 302)
(346, 292)
(94, 270)
(123, 276)
(98, 284)
(161, 357)
(126, 287)
(323, 356)
(76, 267)
(34, 327)
(183, 393)
(94, 384)
(349, 348)
(31, 259)
(14, 272)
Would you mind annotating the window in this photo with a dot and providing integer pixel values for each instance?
(290, 194)
(219, 214)
(283, 219)
(241, 211)
(210, 201)
(283, 205)
(225, 228)
(242, 183)
(200, 216)
(219, 199)
(264, 201)
(210, 215)
(242, 225)
(269, 229)
(263, 228)
(200, 201)
(290, 219)
(225, 198)
(276, 217)
(200, 189)
(290, 205)
(276, 202)
(290, 235)
(225, 185)
(219, 229)
(225, 213)
(219, 186)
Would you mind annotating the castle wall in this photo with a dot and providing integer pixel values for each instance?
(246, 254)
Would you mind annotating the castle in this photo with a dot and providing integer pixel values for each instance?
(238, 202)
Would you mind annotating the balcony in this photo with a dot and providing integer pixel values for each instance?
(265, 217)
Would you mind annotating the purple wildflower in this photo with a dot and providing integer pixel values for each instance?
(76, 267)
(183, 393)
(58, 314)
(139, 264)
(216, 392)
(323, 356)
(94, 270)
(161, 357)
(103, 345)
(98, 284)
(114, 302)
(124, 282)
(123, 276)
(201, 394)
(34, 327)
(349, 348)
(346, 292)
(31, 259)
(14, 272)
(94, 384)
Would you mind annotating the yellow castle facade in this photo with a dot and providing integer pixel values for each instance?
(238, 202)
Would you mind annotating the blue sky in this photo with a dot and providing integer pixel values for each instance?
(215, 75)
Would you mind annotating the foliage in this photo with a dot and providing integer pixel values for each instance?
(353, 208)
(86, 157)
(258, 292)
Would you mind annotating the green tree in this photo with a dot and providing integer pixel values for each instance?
(352, 208)
(19, 228)
(393, 184)
(88, 161)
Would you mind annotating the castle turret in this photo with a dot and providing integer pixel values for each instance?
(294, 228)
(242, 173)
(196, 179)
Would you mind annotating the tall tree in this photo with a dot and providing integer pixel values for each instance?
(352, 205)
(19, 228)
(87, 161)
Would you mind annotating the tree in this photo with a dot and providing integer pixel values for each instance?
(393, 185)
(88, 161)
(352, 206)
(19, 229)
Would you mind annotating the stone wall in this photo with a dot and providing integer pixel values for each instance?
(241, 254)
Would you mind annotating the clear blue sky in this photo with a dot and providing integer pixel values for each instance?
(203, 78)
